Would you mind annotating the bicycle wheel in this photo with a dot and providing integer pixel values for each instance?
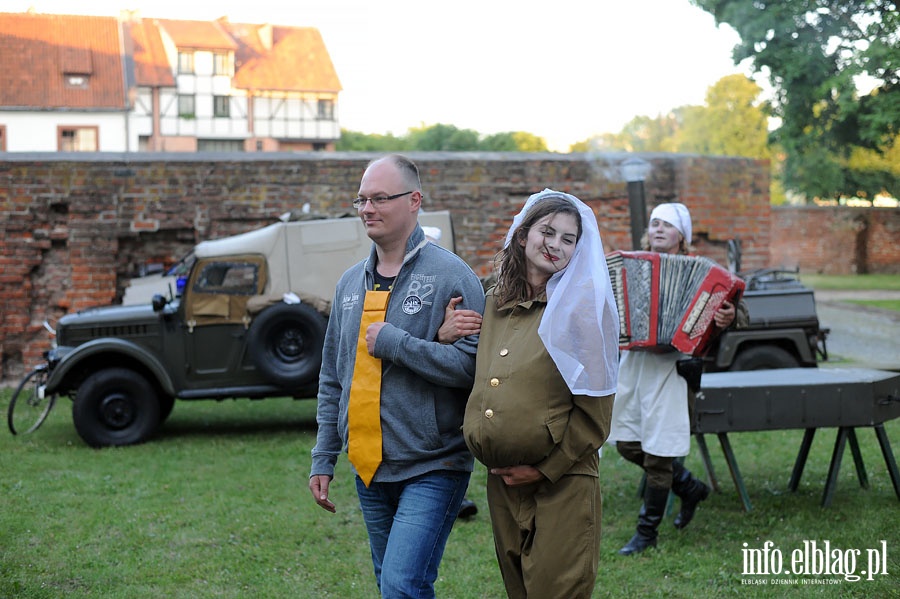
(28, 407)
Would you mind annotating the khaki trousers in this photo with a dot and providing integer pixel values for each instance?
(658, 469)
(547, 536)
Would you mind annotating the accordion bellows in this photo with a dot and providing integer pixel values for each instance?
(669, 301)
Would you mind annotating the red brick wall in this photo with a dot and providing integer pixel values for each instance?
(72, 232)
(836, 240)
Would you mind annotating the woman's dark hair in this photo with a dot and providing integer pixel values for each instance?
(512, 279)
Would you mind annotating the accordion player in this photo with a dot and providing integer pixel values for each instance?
(669, 301)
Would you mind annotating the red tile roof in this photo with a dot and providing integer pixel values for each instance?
(271, 57)
(39, 52)
(198, 35)
(151, 64)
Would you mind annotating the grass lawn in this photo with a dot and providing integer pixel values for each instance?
(880, 304)
(852, 282)
(217, 506)
(859, 283)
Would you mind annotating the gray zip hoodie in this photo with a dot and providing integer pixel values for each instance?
(424, 384)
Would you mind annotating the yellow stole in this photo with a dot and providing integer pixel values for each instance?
(364, 448)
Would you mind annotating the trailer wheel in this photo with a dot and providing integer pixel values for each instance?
(115, 406)
(762, 357)
(285, 343)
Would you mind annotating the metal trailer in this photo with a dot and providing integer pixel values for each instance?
(799, 398)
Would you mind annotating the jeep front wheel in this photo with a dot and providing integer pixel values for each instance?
(763, 357)
(166, 403)
(115, 406)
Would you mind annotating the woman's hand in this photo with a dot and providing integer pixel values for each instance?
(516, 476)
(725, 315)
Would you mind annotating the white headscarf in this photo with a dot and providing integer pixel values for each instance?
(676, 215)
(580, 326)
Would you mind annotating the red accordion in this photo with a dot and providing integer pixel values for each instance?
(669, 300)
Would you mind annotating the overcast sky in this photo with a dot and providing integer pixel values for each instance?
(563, 70)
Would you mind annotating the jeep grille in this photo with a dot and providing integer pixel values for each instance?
(73, 336)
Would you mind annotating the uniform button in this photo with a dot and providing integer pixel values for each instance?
(504, 351)
(495, 382)
(489, 413)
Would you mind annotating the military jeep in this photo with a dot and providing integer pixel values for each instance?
(248, 321)
(784, 330)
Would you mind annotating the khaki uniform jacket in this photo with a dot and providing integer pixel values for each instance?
(520, 410)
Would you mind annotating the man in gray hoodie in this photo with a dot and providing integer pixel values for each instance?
(410, 503)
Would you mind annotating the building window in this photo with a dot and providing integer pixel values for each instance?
(186, 62)
(77, 139)
(326, 110)
(220, 64)
(77, 81)
(2, 138)
(186, 106)
(221, 106)
(220, 145)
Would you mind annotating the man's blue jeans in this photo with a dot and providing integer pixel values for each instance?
(408, 524)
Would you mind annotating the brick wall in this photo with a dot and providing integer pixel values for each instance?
(72, 231)
(836, 240)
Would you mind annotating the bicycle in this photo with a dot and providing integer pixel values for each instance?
(29, 407)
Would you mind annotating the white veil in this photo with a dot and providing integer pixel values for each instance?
(580, 326)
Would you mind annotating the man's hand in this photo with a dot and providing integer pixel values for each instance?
(458, 323)
(372, 334)
(318, 486)
(724, 315)
(516, 476)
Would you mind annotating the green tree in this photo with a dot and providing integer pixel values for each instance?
(604, 142)
(732, 123)
(441, 137)
(647, 134)
(874, 170)
(354, 141)
(513, 141)
(814, 52)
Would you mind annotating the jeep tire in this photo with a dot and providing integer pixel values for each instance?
(166, 403)
(115, 406)
(762, 357)
(285, 344)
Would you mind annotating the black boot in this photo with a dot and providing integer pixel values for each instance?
(467, 508)
(650, 516)
(691, 492)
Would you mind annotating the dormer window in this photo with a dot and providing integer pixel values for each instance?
(77, 81)
(76, 66)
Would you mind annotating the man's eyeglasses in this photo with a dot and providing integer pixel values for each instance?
(380, 201)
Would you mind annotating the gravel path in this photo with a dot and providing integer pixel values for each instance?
(860, 336)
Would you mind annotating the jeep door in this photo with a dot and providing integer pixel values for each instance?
(216, 320)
